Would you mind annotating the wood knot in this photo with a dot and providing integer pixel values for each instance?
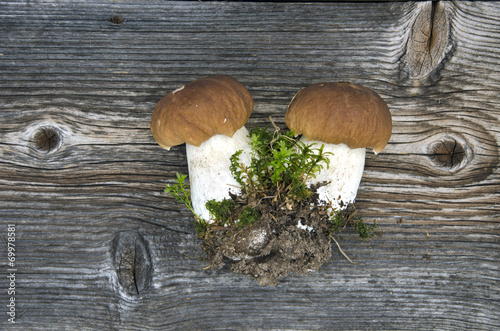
(427, 44)
(132, 262)
(46, 139)
(448, 153)
(116, 20)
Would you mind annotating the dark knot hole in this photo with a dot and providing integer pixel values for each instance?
(47, 139)
(447, 153)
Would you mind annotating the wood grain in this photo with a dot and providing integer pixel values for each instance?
(82, 178)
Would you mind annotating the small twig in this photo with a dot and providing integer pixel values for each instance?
(276, 129)
(275, 133)
(341, 251)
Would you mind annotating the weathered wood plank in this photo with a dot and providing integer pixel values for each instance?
(82, 178)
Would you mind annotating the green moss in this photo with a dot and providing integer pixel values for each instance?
(222, 211)
(280, 166)
(365, 231)
(181, 193)
(247, 216)
(339, 221)
(226, 213)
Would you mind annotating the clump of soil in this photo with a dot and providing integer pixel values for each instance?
(284, 240)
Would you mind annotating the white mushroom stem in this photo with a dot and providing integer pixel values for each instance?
(342, 176)
(208, 165)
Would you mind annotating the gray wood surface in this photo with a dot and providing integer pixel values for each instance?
(99, 246)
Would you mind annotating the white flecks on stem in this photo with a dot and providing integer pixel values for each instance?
(209, 164)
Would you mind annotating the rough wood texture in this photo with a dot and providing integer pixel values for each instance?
(100, 247)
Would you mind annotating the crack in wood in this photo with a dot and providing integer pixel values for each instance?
(432, 36)
(426, 47)
(135, 271)
(132, 262)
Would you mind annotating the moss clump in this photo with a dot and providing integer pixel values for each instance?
(247, 217)
(227, 213)
(340, 220)
(280, 166)
(222, 211)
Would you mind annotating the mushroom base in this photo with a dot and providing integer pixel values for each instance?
(283, 241)
(340, 181)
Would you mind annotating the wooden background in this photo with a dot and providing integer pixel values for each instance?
(100, 246)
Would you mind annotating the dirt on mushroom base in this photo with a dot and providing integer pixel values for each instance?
(282, 241)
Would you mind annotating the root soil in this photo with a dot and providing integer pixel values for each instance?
(284, 240)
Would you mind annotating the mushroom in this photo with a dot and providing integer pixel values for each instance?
(208, 115)
(347, 119)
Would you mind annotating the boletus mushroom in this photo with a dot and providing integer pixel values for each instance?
(347, 119)
(208, 115)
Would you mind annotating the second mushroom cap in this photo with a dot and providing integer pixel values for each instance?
(341, 113)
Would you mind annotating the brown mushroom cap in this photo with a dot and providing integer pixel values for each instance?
(201, 109)
(341, 113)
